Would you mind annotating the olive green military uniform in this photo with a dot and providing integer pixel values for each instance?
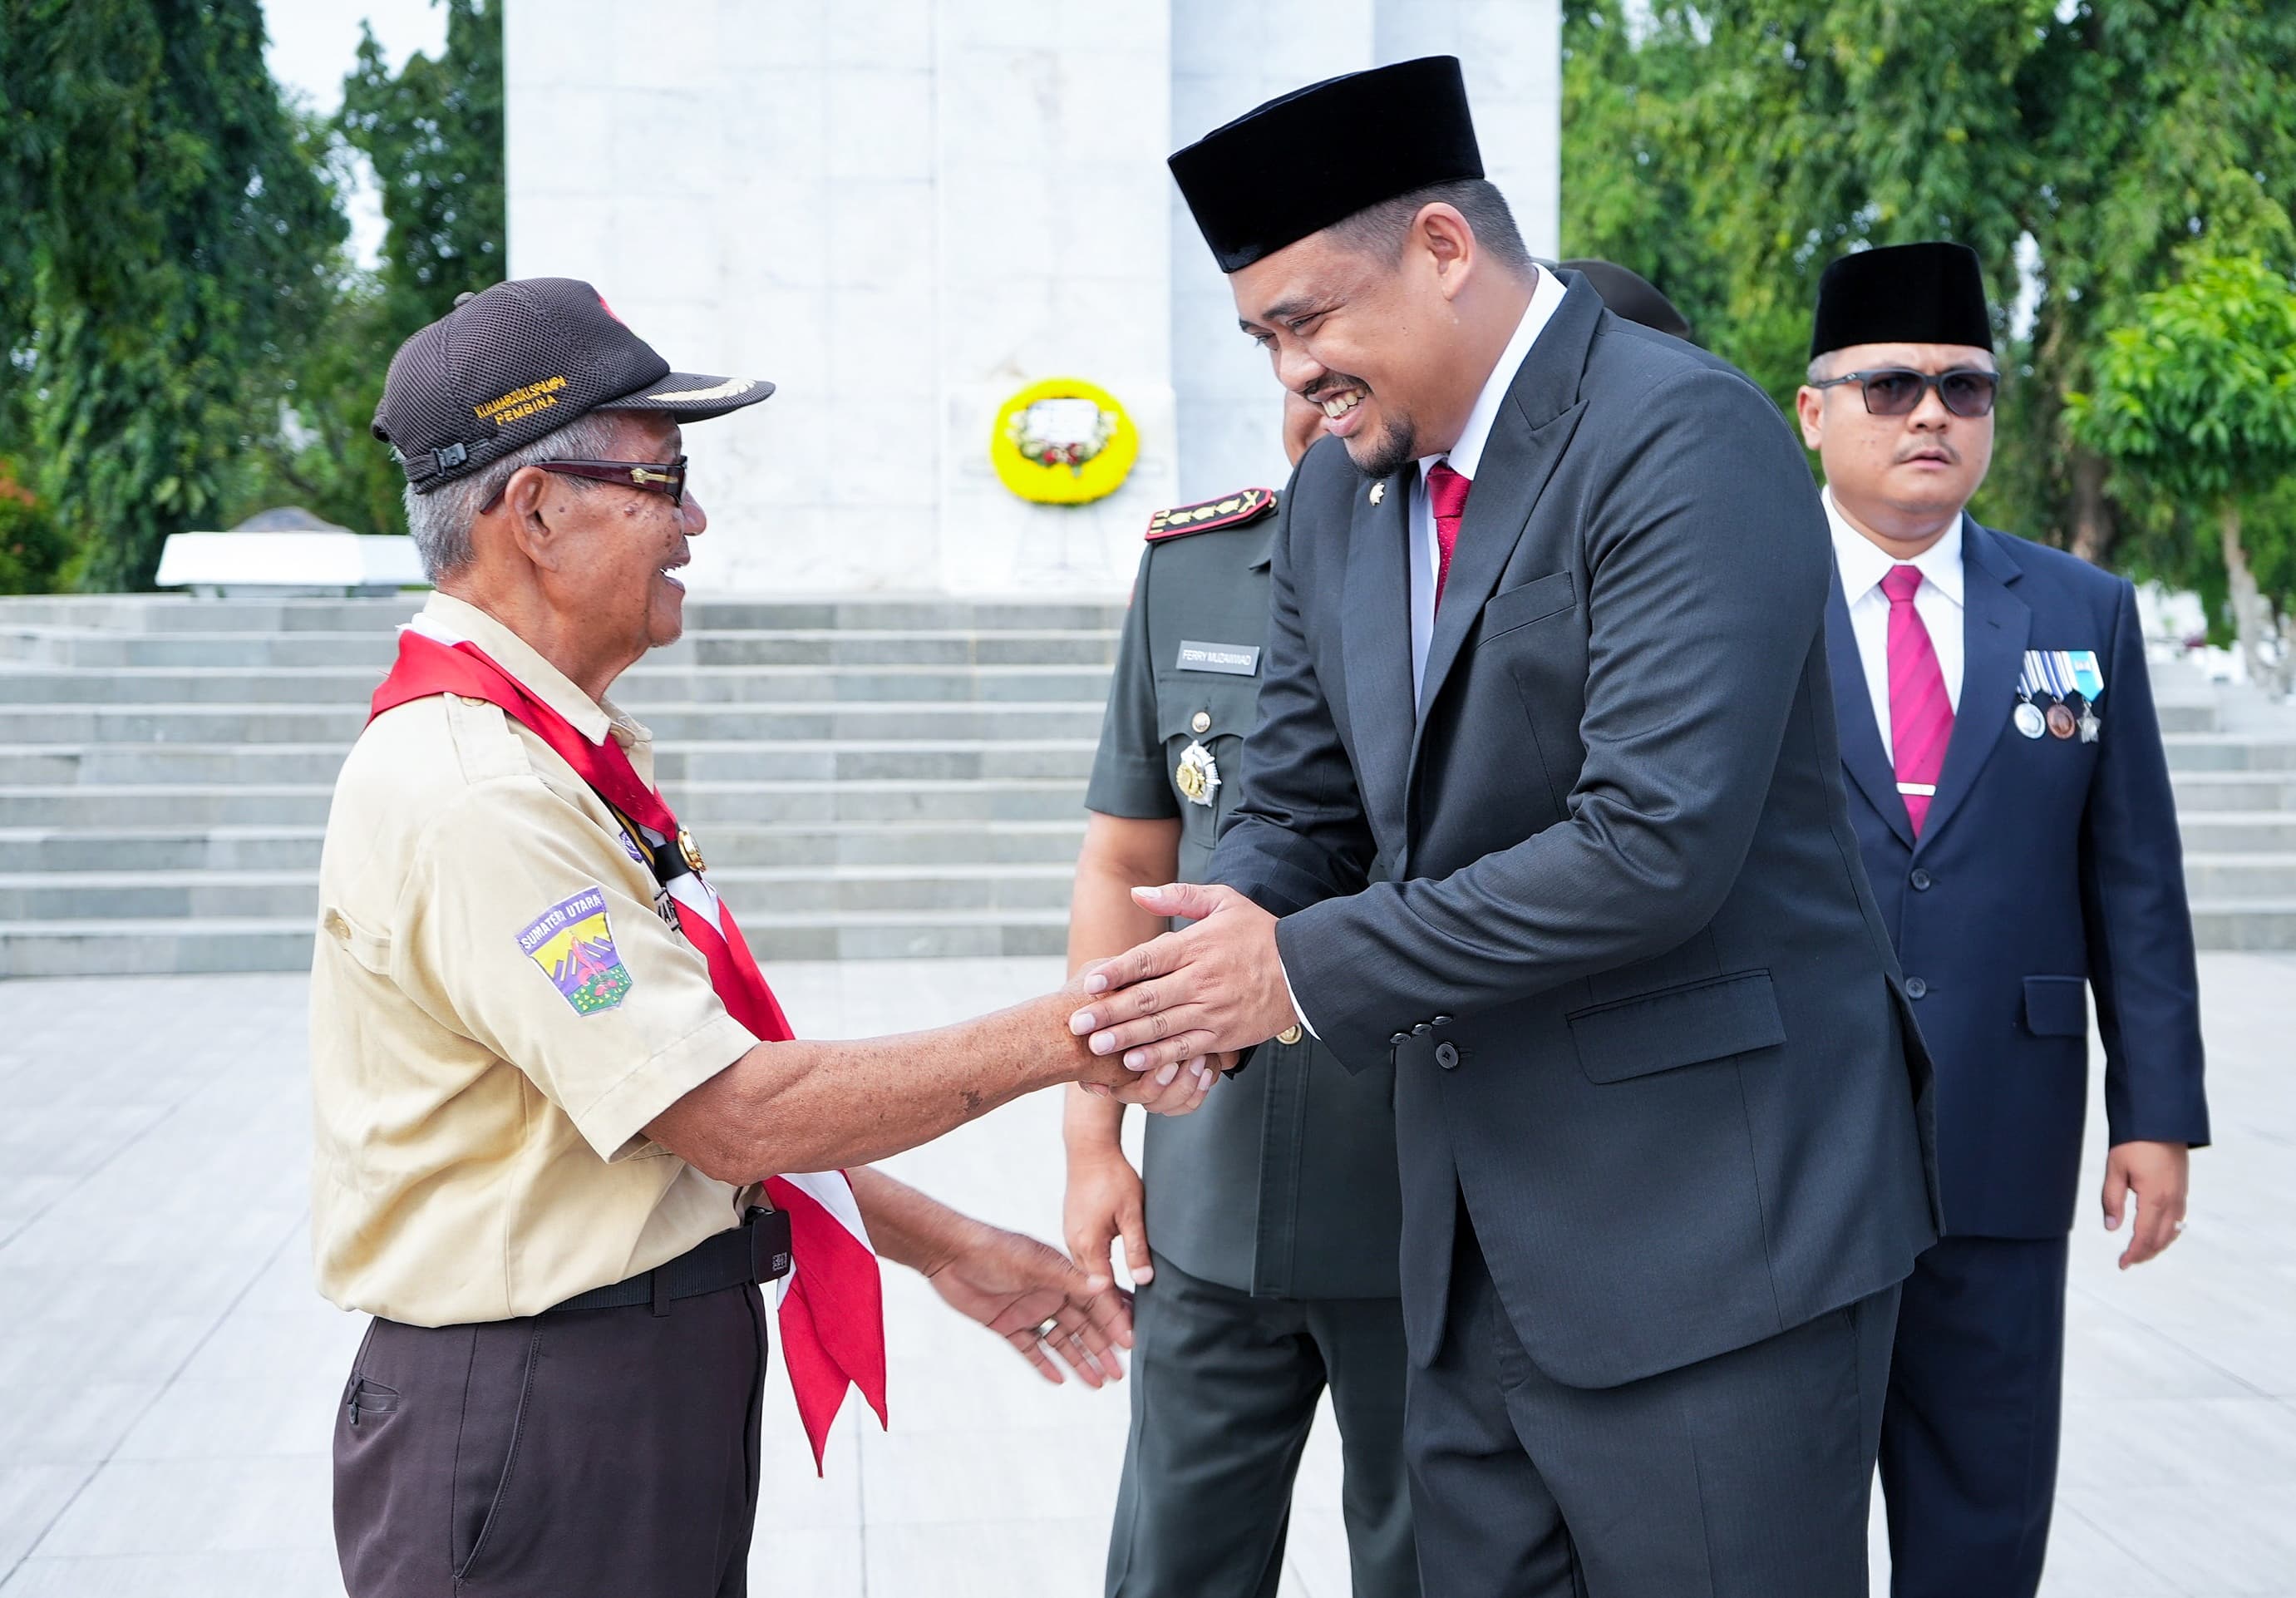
(1273, 1212)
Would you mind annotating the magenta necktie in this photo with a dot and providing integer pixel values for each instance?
(1446, 492)
(1921, 716)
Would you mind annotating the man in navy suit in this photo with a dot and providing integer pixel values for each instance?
(2011, 800)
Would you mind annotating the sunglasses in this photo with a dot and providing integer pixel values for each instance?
(651, 477)
(1898, 391)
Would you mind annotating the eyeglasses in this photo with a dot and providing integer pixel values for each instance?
(652, 477)
(1898, 391)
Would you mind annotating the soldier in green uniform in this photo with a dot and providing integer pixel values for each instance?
(1274, 1213)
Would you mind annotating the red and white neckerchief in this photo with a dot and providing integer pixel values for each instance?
(830, 1308)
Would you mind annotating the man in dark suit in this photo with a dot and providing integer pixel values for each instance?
(1661, 1107)
(2012, 803)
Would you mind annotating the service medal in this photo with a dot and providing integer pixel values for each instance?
(2089, 724)
(1197, 775)
(2060, 721)
(2028, 719)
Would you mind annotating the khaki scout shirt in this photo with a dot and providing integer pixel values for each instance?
(481, 1151)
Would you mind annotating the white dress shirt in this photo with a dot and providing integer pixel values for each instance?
(1863, 564)
(1465, 457)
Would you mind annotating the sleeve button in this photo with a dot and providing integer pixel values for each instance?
(1446, 1055)
(1915, 987)
(1399, 1039)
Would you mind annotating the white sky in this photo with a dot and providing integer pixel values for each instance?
(313, 43)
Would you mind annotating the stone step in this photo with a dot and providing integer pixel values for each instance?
(24, 849)
(81, 947)
(704, 805)
(114, 765)
(2200, 792)
(2234, 832)
(174, 613)
(2239, 879)
(26, 686)
(2228, 752)
(755, 893)
(2254, 925)
(373, 651)
(866, 721)
(2182, 713)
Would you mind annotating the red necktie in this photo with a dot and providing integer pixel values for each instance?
(1446, 492)
(1921, 716)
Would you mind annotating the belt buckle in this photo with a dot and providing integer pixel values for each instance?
(769, 1243)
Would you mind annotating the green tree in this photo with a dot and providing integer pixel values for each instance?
(2196, 398)
(175, 249)
(2093, 140)
(433, 132)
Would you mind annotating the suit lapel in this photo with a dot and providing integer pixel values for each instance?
(1533, 427)
(1375, 619)
(1863, 755)
(1995, 626)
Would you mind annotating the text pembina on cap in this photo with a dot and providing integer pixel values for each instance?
(520, 360)
(1276, 174)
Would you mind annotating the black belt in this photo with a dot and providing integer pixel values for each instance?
(756, 1250)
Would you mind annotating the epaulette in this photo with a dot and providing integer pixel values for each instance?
(1239, 509)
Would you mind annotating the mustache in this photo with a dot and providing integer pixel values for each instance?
(1331, 386)
(1927, 447)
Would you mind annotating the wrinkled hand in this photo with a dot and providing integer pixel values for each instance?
(1011, 1284)
(2158, 1175)
(1210, 988)
(1176, 1088)
(1104, 1200)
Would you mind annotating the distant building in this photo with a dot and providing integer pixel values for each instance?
(903, 211)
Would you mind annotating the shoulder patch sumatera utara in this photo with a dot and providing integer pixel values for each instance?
(572, 943)
(1239, 509)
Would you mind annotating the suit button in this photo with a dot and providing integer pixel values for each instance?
(1201, 722)
(1442, 1020)
(1399, 1039)
(1446, 1055)
(1421, 1029)
(1290, 1034)
(1921, 879)
(1915, 987)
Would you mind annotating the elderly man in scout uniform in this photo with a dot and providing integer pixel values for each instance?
(561, 1130)
(1274, 1218)
(2012, 803)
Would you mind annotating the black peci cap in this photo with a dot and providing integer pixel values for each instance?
(520, 361)
(1629, 294)
(1929, 293)
(1318, 155)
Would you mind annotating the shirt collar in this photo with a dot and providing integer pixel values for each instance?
(592, 718)
(1467, 455)
(1864, 564)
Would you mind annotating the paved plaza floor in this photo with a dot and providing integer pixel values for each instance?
(168, 1376)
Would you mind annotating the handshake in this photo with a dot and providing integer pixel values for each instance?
(1174, 1011)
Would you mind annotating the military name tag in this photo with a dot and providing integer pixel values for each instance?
(1236, 659)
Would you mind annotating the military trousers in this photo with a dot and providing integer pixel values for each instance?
(581, 1451)
(1224, 1388)
(1969, 1437)
(1748, 1475)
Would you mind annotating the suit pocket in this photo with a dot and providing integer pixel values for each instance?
(2057, 1006)
(1652, 1032)
(1534, 601)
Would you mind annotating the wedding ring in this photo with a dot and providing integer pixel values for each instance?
(1046, 1327)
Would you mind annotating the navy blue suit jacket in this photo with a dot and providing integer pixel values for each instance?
(2044, 863)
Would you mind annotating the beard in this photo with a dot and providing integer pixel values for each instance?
(1385, 453)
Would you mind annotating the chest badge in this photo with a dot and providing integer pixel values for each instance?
(689, 851)
(1378, 492)
(1197, 775)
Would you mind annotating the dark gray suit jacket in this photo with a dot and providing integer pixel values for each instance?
(1644, 1014)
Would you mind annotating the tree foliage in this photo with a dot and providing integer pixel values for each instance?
(1734, 148)
(175, 249)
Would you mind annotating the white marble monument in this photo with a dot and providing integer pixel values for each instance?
(902, 211)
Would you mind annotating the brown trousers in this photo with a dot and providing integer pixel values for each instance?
(608, 1451)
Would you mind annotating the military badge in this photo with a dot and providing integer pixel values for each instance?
(573, 945)
(1197, 775)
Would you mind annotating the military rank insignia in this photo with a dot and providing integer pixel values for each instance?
(1197, 775)
(572, 943)
(1243, 506)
